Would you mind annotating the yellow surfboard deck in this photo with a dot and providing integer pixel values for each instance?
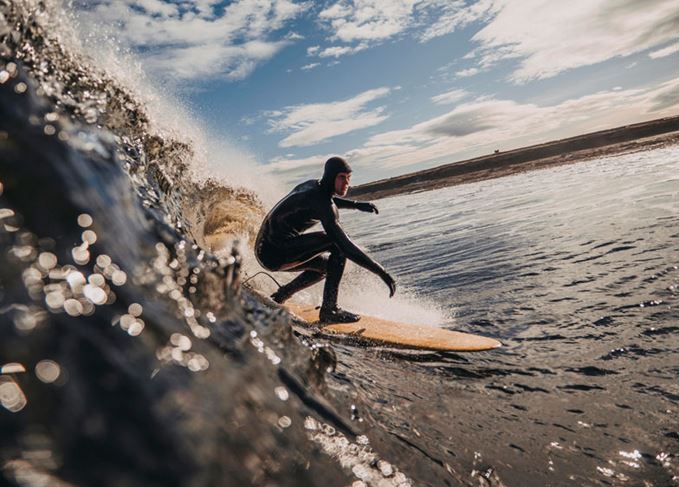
(395, 333)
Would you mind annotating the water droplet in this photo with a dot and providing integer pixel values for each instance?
(96, 279)
(4, 76)
(12, 368)
(632, 455)
(282, 393)
(119, 278)
(135, 309)
(47, 371)
(88, 307)
(310, 423)
(89, 236)
(47, 260)
(55, 300)
(81, 255)
(20, 87)
(11, 395)
(125, 321)
(386, 468)
(85, 220)
(198, 363)
(180, 341)
(73, 307)
(95, 294)
(76, 280)
(201, 332)
(6, 213)
(284, 422)
(49, 130)
(136, 327)
(27, 320)
(103, 260)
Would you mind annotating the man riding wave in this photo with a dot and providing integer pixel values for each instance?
(282, 245)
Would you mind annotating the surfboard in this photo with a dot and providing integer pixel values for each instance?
(389, 332)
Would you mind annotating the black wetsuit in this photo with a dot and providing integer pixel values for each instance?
(282, 244)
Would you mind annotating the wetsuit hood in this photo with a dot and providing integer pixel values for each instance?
(333, 167)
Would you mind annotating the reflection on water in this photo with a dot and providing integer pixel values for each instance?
(356, 456)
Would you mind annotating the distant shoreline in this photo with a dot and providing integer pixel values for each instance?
(619, 140)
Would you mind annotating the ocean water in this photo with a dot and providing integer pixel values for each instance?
(575, 270)
(132, 354)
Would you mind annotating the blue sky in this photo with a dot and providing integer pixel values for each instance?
(400, 85)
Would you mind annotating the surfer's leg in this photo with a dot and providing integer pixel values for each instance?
(290, 254)
(299, 254)
(336, 264)
(329, 309)
(314, 271)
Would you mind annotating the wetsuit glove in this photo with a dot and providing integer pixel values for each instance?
(367, 207)
(390, 282)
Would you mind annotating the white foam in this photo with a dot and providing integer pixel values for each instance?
(363, 293)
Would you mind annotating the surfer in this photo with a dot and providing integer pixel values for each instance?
(282, 246)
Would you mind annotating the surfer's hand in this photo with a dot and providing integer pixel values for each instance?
(367, 207)
(391, 284)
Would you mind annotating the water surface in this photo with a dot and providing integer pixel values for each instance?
(574, 269)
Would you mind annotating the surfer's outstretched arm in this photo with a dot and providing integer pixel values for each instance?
(352, 251)
(345, 204)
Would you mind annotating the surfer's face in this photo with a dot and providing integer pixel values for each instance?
(342, 183)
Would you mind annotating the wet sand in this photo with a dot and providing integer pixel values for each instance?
(620, 140)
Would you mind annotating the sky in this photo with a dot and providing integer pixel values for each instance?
(397, 86)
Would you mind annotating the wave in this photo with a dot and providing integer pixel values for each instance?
(159, 155)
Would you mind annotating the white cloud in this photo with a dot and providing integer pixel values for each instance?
(194, 40)
(317, 122)
(479, 126)
(234, 62)
(309, 66)
(294, 36)
(455, 14)
(449, 97)
(550, 37)
(465, 73)
(368, 19)
(373, 21)
(337, 51)
(664, 52)
(291, 165)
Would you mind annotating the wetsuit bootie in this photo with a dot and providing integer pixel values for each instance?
(337, 315)
(281, 297)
